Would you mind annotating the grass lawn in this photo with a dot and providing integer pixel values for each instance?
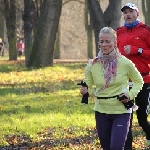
(41, 109)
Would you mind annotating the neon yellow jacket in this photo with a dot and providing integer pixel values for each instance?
(94, 76)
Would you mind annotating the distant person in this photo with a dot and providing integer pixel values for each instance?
(20, 47)
(109, 74)
(134, 43)
(1, 48)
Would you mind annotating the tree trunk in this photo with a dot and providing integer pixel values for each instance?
(89, 32)
(35, 5)
(146, 10)
(2, 23)
(111, 16)
(10, 12)
(2, 19)
(90, 42)
(57, 43)
(43, 46)
(28, 26)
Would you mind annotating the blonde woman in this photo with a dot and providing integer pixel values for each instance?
(109, 73)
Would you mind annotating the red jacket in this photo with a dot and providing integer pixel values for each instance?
(137, 37)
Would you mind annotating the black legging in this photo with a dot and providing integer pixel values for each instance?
(128, 143)
(143, 101)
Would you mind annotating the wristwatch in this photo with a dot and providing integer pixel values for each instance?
(140, 50)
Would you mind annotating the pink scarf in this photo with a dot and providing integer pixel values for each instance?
(109, 65)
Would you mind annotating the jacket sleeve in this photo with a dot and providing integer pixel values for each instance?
(136, 78)
(88, 78)
(145, 53)
(146, 49)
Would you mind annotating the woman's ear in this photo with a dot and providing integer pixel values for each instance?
(138, 13)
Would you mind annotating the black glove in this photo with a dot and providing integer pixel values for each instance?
(85, 96)
(127, 105)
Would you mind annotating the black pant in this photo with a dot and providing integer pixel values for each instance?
(128, 143)
(143, 101)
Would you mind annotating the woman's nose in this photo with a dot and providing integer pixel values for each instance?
(104, 44)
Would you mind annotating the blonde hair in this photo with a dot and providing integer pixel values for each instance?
(110, 31)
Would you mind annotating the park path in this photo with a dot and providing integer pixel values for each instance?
(70, 61)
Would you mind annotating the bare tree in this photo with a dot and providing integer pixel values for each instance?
(2, 23)
(146, 10)
(2, 19)
(57, 43)
(28, 28)
(110, 17)
(10, 15)
(32, 9)
(43, 45)
(89, 30)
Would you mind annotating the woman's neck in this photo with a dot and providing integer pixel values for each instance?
(113, 54)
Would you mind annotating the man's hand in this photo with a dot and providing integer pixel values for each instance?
(127, 49)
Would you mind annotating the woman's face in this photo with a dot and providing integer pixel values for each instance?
(106, 43)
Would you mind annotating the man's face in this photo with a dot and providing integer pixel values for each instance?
(130, 15)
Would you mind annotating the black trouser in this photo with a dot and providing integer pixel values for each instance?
(128, 143)
(143, 101)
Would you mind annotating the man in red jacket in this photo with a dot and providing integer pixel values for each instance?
(134, 43)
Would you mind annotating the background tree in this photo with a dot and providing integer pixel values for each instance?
(10, 15)
(35, 13)
(2, 21)
(31, 14)
(43, 45)
(98, 19)
(146, 10)
(89, 31)
(110, 17)
(28, 28)
(57, 45)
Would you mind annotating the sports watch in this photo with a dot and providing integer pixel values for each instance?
(140, 50)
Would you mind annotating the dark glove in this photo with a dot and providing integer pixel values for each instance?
(85, 96)
(127, 105)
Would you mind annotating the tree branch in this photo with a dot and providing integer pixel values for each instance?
(80, 1)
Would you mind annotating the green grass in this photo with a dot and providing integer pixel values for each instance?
(43, 106)
(33, 100)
